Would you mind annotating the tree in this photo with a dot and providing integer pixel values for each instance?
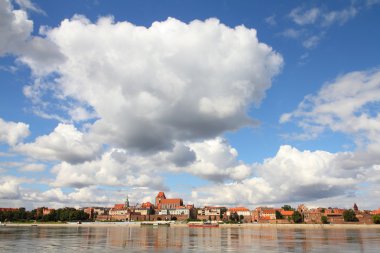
(223, 210)
(297, 217)
(241, 217)
(349, 216)
(376, 219)
(234, 217)
(324, 220)
(287, 208)
(279, 215)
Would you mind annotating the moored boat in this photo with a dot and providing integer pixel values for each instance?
(203, 225)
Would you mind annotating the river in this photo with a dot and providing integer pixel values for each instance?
(183, 239)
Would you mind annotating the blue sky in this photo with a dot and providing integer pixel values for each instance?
(219, 102)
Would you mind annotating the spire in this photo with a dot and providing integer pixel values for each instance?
(126, 204)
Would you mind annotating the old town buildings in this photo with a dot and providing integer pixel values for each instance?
(174, 209)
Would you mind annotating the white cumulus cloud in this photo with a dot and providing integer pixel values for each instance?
(65, 143)
(16, 39)
(169, 82)
(13, 132)
(348, 104)
(294, 176)
(9, 188)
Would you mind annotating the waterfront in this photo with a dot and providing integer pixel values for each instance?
(183, 239)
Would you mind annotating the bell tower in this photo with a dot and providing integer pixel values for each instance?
(159, 198)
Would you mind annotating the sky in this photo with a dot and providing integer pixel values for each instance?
(234, 103)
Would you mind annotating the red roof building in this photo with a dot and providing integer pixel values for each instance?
(170, 203)
(147, 205)
(118, 207)
(286, 213)
(163, 203)
(7, 209)
(239, 211)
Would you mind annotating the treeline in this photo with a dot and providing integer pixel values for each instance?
(62, 214)
(19, 215)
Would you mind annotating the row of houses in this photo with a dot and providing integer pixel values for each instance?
(174, 209)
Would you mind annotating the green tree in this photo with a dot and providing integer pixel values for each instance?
(349, 216)
(279, 215)
(234, 217)
(287, 208)
(324, 220)
(297, 217)
(376, 219)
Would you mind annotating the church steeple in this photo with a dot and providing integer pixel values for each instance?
(356, 207)
(126, 204)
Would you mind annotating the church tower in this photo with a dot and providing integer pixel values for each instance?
(126, 204)
(160, 196)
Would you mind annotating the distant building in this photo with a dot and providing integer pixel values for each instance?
(8, 209)
(286, 214)
(90, 211)
(211, 210)
(356, 209)
(239, 211)
(268, 214)
(118, 209)
(163, 203)
(47, 211)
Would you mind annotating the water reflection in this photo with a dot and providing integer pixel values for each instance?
(166, 239)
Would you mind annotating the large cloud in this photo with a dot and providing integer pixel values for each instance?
(349, 105)
(12, 132)
(65, 143)
(169, 82)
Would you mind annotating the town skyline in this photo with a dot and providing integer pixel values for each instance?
(232, 103)
(175, 210)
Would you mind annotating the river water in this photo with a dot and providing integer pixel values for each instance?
(183, 239)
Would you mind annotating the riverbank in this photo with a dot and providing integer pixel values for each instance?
(174, 225)
(300, 226)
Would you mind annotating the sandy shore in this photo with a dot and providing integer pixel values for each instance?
(178, 225)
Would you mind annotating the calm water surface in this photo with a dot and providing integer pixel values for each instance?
(166, 239)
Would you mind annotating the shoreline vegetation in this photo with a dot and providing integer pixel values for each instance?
(174, 225)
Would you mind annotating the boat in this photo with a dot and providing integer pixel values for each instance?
(155, 224)
(203, 225)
